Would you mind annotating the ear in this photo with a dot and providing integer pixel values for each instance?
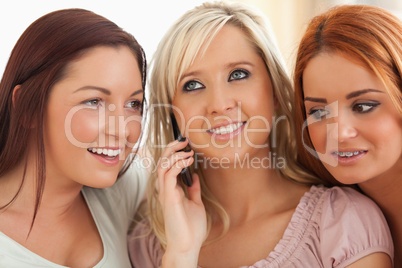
(16, 92)
(16, 95)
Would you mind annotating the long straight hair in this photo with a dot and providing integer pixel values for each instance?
(37, 62)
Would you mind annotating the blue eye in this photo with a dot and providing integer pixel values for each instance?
(135, 104)
(238, 75)
(318, 113)
(364, 107)
(192, 85)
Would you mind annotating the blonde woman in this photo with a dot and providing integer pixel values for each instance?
(220, 72)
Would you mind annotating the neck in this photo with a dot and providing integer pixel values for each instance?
(247, 191)
(58, 196)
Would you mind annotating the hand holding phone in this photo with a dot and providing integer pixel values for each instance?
(185, 173)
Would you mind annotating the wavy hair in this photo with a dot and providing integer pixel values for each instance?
(183, 42)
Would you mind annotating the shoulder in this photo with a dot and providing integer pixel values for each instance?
(351, 226)
(144, 247)
(344, 204)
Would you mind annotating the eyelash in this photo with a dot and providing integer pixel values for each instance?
(187, 88)
(88, 102)
(244, 72)
(371, 105)
(320, 113)
(187, 84)
(137, 104)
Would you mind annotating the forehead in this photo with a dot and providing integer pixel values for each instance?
(229, 43)
(336, 74)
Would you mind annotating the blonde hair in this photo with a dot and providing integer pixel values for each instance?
(188, 38)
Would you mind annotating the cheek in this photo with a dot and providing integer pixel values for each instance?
(82, 127)
(133, 129)
(386, 134)
(318, 136)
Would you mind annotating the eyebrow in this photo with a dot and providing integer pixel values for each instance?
(321, 100)
(361, 92)
(227, 66)
(354, 94)
(104, 90)
(101, 89)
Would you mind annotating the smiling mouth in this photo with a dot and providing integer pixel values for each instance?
(348, 154)
(107, 153)
(226, 129)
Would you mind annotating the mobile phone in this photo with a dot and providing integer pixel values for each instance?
(185, 173)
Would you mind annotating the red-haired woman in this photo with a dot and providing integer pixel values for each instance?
(349, 104)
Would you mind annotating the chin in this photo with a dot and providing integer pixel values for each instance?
(104, 180)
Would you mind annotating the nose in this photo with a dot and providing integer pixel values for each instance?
(345, 129)
(220, 101)
(114, 125)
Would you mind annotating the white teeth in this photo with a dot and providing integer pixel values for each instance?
(348, 154)
(225, 130)
(107, 152)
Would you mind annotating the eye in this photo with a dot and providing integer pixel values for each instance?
(192, 85)
(238, 75)
(135, 105)
(93, 102)
(318, 113)
(364, 107)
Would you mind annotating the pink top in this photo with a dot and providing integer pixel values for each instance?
(331, 227)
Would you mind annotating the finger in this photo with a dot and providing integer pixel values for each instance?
(165, 166)
(174, 147)
(171, 175)
(194, 192)
(173, 192)
(166, 163)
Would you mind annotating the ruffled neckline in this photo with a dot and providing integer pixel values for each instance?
(295, 230)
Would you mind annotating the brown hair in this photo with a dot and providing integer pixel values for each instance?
(367, 33)
(37, 62)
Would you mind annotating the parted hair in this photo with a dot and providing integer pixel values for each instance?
(38, 61)
(369, 34)
(183, 42)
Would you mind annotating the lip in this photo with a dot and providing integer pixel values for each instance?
(107, 160)
(349, 160)
(227, 136)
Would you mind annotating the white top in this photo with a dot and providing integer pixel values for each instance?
(113, 210)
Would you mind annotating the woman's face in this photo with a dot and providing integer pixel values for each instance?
(93, 117)
(224, 101)
(352, 121)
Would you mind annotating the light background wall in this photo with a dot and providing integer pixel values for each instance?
(147, 20)
(289, 18)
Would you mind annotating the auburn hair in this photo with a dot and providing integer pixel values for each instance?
(369, 34)
(38, 61)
